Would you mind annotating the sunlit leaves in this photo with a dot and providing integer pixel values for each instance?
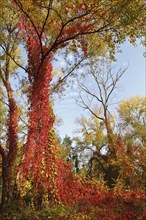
(105, 23)
(132, 113)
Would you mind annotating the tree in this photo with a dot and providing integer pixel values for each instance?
(98, 131)
(64, 148)
(9, 145)
(45, 27)
(91, 143)
(128, 164)
(132, 114)
(132, 122)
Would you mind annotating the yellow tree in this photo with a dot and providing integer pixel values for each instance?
(132, 123)
(132, 114)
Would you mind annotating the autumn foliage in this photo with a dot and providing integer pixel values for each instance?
(33, 174)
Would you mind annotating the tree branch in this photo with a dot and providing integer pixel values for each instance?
(68, 74)
(46, 18)
(18, 64)
(18, 3)
(85, 89)
(2, 151)
(85, 106)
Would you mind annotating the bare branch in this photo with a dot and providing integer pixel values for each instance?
(23, 121)
(86, 106)
(106, 84)
(99, 87)
(85, 89)
(115, 81)
(68, 74)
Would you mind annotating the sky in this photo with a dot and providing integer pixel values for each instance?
(132, 83)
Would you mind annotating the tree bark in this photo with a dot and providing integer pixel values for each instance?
(10, 155)
(38, 165)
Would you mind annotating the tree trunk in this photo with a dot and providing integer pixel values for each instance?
(111, 139)
(38, 165)
(38, 134)
(9, 159)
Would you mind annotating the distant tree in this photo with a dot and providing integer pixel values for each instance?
(127, 166)
(104, 83)
(68, 153)
(91, 143)
(132, 123)
(132, 115)
(64, 148)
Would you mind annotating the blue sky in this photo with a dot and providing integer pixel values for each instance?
(132, 83)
